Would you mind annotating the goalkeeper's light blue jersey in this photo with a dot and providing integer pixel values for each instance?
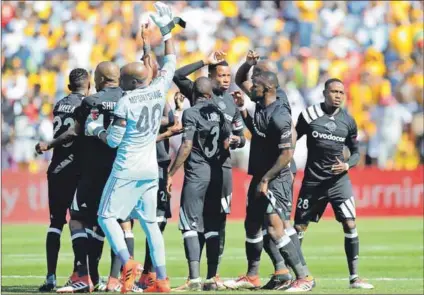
(142, 109)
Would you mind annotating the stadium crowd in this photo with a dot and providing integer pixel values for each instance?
(375, 47)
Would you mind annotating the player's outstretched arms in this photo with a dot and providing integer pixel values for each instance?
(171, 131)
(242, 75)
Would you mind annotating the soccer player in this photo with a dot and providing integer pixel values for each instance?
(329, 128)
(220, 74)
(132, 186)
(281, 274)
(205, 137)
(63, 172)
(163, 211)
(96, 164)
(269, 195)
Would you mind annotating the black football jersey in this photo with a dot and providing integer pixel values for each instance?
(326, 137)
(64, 112)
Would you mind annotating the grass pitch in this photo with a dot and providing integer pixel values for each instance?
(391, 256)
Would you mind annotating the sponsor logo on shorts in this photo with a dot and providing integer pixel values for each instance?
(331, 137)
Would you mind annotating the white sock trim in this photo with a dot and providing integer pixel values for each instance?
(283, 241)
(353, 234)
(90, 232)
(79, 235)
(352, 277)
(128, 234)
(190, 233)
(211, 234)
(255, 240)
(291, 231)
(54, 230)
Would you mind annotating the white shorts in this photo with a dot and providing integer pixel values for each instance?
(123, 198)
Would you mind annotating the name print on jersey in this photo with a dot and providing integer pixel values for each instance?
(66, 108)
(108, 105)
(146, 96)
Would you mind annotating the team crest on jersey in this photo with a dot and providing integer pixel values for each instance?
(331, 126)
(222, 105)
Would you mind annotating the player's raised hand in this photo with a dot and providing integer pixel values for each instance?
(163, 15)
(252, 57)
(41, 147)
(179, 101)
(145, 31)
(214, 58)
(340, 167)
(238, 98)
(94, 126)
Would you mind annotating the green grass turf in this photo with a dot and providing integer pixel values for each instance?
(391, 256)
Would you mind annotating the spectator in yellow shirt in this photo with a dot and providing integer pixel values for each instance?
(308, 17)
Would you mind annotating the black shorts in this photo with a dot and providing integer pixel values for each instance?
(200, 206)
(279, 199)
(61, 192)
(164, 204)
(227, 190)
(313, 200)
(89, 193)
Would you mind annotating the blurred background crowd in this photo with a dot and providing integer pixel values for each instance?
(375, 47)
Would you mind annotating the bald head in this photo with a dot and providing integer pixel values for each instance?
(202, 88)
(264, 66)
(106, 75)
(134, 75)
(270, 79)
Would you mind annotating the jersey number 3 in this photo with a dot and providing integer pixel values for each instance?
(57, 123)
(149, 122)
(213, 139)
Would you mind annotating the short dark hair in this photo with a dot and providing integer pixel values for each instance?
(212, 68)
(329, 81)
(270, 78)
(77, 78)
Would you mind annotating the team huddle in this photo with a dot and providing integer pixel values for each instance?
(111, 167)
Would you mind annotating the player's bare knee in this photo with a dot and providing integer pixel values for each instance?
(75, 225)
(348, 225)
(126, 226)
(300, 227)
(253, 229)
(274, 234)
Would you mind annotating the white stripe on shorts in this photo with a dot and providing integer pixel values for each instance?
(345, 211)
(350, 206)
(183, 219)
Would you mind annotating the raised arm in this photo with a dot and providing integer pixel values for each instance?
(185, 84)
(242, 75)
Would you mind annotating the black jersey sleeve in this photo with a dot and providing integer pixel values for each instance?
(301, 126)
(282, 125)
(352, 143)
(82, 112)
(183, 83)
(189, 124)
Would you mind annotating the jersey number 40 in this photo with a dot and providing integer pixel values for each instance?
(149, 121)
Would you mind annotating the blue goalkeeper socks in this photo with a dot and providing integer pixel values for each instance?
(115, 236)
